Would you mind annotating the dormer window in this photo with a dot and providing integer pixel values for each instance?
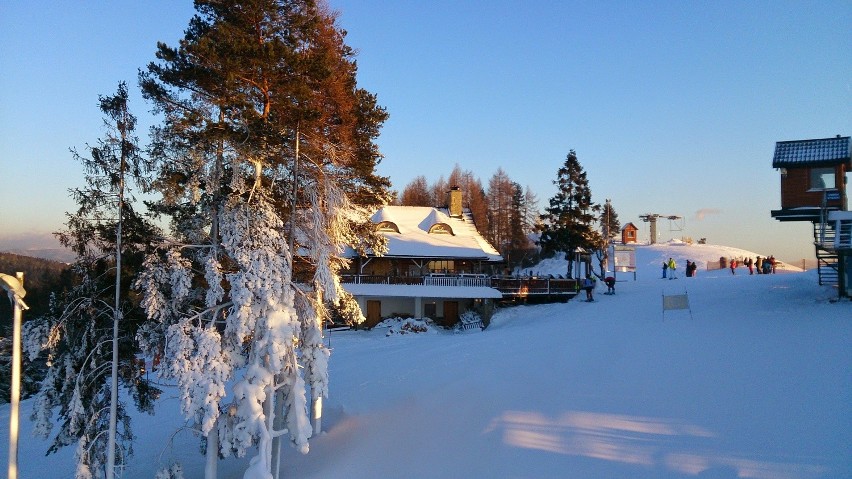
(441, 229)
(387, 227)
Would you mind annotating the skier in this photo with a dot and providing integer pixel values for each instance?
(672, 266)
(589, 286)
(610, 285)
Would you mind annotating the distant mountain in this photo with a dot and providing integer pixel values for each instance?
(36, 245)
(60, 255)
(41, 277)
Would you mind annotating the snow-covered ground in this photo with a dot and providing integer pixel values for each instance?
(754, 382)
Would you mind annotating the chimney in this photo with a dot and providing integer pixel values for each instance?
(454, 202)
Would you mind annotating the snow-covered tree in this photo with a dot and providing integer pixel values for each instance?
(266, 168)
(87, 334)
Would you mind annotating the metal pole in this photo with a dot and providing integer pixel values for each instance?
(16, 384)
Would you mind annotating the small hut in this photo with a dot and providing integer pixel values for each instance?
(813, 186)
(629, 233)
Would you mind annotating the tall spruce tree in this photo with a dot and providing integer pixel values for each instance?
(88, 333)
(567, 223)
(267, 166)
(610, 226)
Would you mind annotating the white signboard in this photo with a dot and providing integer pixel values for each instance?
(624, 258)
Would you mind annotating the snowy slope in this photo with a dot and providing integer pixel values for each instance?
(649, 258)
(755, 383)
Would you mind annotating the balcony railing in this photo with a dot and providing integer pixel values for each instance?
(511, 287)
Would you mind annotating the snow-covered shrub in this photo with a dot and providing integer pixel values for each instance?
(399, 325)
(174, 471)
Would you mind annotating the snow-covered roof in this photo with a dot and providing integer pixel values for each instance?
(422, 291)
(426, 232)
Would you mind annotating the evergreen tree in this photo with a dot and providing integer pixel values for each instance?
(610, 226)
(267, 166)
(567, 221)
(81, 332)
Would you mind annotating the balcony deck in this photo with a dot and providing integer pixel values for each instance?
(524, 289)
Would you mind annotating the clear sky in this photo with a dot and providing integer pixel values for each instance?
(672, 107)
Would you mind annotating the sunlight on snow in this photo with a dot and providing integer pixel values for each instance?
(631, 440)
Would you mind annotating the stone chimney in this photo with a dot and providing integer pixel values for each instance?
(454, 202)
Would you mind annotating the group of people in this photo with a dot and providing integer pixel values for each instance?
(670, 269)
(763, 265)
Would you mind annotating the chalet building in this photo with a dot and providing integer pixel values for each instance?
(437, 266)
(813, 188)
(629, 233)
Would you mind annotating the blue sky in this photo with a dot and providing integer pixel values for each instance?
(672, 107)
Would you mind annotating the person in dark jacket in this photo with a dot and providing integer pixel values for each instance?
(589, 286)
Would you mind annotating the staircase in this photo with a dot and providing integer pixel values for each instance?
(828, 263)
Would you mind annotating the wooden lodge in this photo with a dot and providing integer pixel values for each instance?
(813, 188)
(438, 266)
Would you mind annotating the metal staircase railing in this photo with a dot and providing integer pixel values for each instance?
(828, 263)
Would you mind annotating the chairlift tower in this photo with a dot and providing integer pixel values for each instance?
(652, 218)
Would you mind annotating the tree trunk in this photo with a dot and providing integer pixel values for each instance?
(212, 456)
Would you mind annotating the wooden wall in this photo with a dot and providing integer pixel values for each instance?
(796, 191)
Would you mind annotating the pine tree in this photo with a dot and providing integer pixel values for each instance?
(81, 332)
(567, 221)
(267, 166)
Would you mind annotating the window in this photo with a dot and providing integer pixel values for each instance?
(822, 178)
(441, 229)
(442, 266)
(387, 227)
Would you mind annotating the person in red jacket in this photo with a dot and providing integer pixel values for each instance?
(610, 285)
